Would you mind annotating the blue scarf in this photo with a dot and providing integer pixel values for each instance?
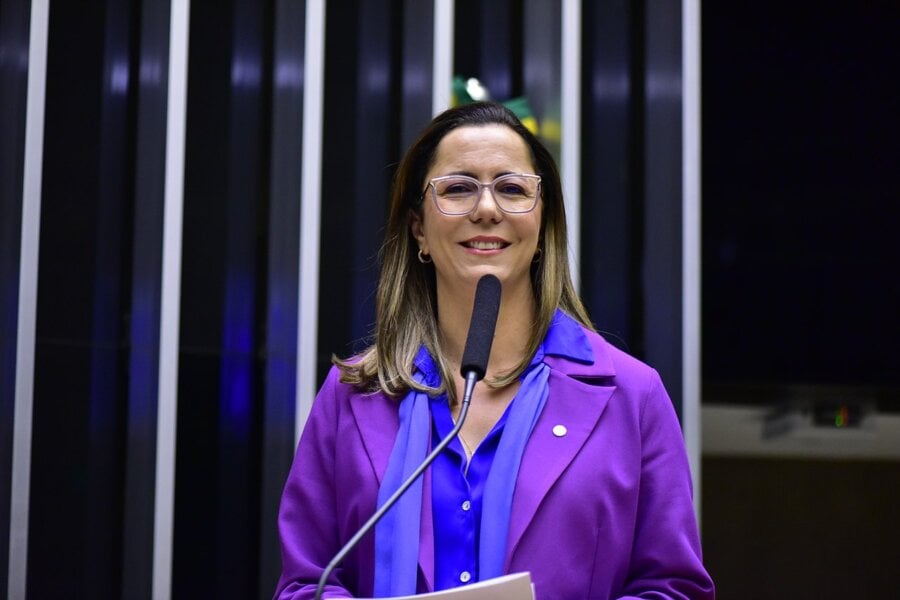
(397, 534)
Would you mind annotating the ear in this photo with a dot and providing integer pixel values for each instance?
(417, 229)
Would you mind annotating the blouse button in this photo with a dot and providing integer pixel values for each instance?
(465, 576)
(466, 505)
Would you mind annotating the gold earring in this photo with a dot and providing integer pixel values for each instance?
(424, 258)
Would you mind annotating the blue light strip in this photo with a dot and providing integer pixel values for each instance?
(236, 374)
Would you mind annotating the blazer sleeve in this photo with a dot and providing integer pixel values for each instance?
(666, 560)
(307, 519)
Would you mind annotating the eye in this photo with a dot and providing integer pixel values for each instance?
(457, 187)
(512, 187)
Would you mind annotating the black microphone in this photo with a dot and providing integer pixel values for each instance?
(481, 331)
(473, 367)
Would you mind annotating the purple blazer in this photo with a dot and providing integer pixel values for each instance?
(602, 511)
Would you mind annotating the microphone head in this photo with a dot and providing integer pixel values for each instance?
(481, 328)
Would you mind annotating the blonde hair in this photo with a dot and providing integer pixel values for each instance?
(406, 301)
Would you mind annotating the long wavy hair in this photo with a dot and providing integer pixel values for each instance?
(406, 302)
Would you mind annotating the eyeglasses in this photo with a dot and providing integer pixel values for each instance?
(515, 193)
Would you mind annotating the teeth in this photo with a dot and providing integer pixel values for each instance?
(479, 245)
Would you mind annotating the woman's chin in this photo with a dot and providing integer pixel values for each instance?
(468, 279)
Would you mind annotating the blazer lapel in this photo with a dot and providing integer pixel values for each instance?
(378, 421)
(574, 405)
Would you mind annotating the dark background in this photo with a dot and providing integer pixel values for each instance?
(801, 288)
(801, 195)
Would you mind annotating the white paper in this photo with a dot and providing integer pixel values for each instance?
(516, 586)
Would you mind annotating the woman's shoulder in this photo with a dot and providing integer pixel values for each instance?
(639, 389)
(613, 361)
(336, 390)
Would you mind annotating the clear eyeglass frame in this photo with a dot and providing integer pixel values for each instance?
(468, 202)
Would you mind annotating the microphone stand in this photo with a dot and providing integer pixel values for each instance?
(472, 376)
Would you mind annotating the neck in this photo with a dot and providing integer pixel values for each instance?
(517, 314)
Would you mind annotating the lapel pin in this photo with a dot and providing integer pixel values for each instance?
(560, 430)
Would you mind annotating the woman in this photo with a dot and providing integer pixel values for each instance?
(570, 464)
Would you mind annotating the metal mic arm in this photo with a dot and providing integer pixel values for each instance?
(471, 378)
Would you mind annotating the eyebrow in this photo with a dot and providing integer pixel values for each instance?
(472, 175)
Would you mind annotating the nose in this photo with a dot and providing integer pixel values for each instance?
(486, 207)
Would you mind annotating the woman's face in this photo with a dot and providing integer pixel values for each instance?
(487, 240)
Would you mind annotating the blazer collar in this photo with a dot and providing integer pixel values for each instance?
(591, 360)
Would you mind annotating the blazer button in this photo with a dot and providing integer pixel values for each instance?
(560, 430)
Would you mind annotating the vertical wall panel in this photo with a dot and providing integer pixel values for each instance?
(570, 130)
(632, 167)
(59, 499)
(375, 149)
(109, 304)
(14, 23)
(170, 294)
(662, 269)
(216, 526)
(691, 257)
(203, 271)
(417, 68)
(76, 493)
(310, 211)
(488, 43)
(442, 75)
(240, 383)
(362, 121)
(338, 242)
(285, 175)
(609, 268)
(26, 309)
(151, 83)
(541, 65)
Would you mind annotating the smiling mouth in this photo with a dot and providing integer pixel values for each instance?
(484, 245)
